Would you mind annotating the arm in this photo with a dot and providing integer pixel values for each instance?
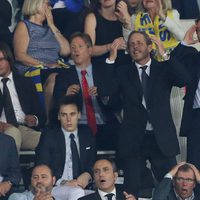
(64, 44)
(20, 43)
(90, 28)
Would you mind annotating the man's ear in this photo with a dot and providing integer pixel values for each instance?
(116, 175)
(150, 48)
(79, 115)
(54, 180)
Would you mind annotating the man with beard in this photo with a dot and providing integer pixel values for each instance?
(42, 181)
(179, 183)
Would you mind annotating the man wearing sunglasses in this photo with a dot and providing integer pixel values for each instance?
(179, 184)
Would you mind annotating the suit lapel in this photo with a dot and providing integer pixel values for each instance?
(81, 147)
(62, 144)
(133, 76)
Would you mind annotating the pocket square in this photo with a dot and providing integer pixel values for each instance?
(88, 148)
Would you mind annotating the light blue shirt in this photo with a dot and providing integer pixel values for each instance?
(98, 114)
(26, 195)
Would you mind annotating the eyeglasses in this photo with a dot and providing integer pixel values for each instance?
(181, 180)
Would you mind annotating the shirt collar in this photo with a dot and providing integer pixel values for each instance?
(66, 133)
(88, 70)
(102, 193)
(138, 65)
(10, 76)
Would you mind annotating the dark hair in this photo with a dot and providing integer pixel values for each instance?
(84, 36)
(44, 165)
(184, 168)
(145, 35)
(197, 20)
(111, 161)
(5, 49)
(71, 99)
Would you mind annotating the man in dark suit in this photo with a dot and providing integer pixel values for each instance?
(147, 131)
(103, 123)
(190, 125)
(105, 175)
(179, 183)
(20, 111)
(55, 149)
(9, 166)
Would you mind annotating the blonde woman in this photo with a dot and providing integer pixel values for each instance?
(157, 19)
(37, 44)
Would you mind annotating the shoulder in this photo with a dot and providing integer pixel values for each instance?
(82, 129)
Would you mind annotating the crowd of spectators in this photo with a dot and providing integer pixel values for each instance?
(77, 76)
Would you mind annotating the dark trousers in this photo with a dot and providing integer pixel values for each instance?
(193, 140)
(135, 166)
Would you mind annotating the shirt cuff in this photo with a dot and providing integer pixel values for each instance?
(110, 61)
(168, 175)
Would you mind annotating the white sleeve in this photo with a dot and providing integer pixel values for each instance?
(126, 31)
(174, 25)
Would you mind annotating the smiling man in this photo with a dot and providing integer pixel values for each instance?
(105, 175)
(179, 184)
(69, 151)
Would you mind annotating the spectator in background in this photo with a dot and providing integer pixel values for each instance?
(191, 113)
(20, 111)
(158, 19)
(42, 181)
(5, 22)
(37, 44)
(9, 166)
(69, 15)
(105, 31)
(179, 183)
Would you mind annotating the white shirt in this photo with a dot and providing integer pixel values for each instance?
(102, 194)
(68, 173)
(19, 114)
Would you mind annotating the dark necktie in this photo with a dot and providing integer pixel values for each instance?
(109, 196)
(75, 157)
(7, 104)
(88, 104)
(145, 80)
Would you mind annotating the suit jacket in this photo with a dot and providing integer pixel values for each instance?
(51, 150)
(64, 80)
(96, 196)
(28, 98)
(9, 161)
(163, 76)
(165, 191)
(190, 57)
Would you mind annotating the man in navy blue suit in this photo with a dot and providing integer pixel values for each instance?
(55, 149)
(9, 166)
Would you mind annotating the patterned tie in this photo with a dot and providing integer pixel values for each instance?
(145, 80)
(75, 157)
(109, 196)
(88, 104)
(7, 104)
